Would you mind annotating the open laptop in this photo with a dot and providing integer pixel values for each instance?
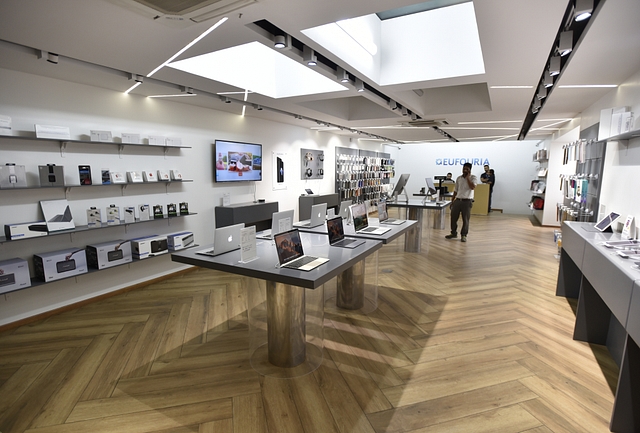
(291, 255)
(225, 239)
(344, 209)
(280, 222)
(361, 221)
(318, 216)
(383, 216)
(336, 235)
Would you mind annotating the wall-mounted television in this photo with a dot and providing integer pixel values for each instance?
(237, 162)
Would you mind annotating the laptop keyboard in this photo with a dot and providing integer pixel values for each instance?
(298, 263)
(369, 229)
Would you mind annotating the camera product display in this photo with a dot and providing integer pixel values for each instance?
(85, 174)
(13, 176)
(94, 217)
(158, 211)
(179, 241)
(164, 175)
(113, 215)
(51, 175)
(14, 275)
(57, 214)
(172, 210)
(129, 214)
(60, 264)
(134, 176)
(118, 177)
(149, 246)
(106, 176)
(176, 175)
(184, 208)
(149, 176)
(108, 254)
(25, 230)
(143, 212)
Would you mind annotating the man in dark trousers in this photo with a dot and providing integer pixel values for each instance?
(489, 178)
(462, 202)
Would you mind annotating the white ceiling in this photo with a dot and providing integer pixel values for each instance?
(516, 37)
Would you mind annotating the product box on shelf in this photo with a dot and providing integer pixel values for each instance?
(176, 175)
(60, 264)
(149, 176)
(25, 230)
(144, 214)
(149, 246)
(113, 215)
(118, 177)
(164, 175)
(158, 211)
(129, 214)
(94, 217)
(14, 275)
(134, 176)
(51, 175)
(13, 176)
(179, 241)
(107, 254)
(184, 208)
(172, 210)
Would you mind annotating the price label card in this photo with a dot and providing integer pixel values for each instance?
(248, 250)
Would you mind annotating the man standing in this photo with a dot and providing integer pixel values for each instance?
(462, 202)
(489, 178)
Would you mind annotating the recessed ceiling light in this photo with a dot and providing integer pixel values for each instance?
(489, 122)
(588, 86)
(511, 87)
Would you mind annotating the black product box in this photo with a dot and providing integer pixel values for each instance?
(51, 175)
(108, 254)
(60, 264)
(184, 208)
(172, 210)
(158, 211)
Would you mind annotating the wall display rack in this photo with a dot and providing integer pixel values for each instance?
(311, 164)
(363, 175)
(538, 185)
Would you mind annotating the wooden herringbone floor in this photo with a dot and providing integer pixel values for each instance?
(467, 338)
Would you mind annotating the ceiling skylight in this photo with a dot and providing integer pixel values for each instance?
(261, 69)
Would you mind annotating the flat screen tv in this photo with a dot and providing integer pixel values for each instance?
(237, 162)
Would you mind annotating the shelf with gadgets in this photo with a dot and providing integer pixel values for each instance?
(363, 175)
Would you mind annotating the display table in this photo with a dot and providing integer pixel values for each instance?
(258, 214)
(608, 292)
(285, 306)
(415, 211)
(305, 202)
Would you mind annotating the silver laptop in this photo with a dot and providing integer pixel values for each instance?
(291, 255)
(361, 221)
(280, 222)
(336, 235)
(344, 209)
(318, 216)
(225, 239)
(383, 216)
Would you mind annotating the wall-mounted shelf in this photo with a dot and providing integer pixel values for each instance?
(625, 137)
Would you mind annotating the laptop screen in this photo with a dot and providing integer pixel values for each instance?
(335, 230)
(359, 212)
(382, 211)
(288, 246)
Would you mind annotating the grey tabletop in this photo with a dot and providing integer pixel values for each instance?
(394, 232)
(420, 204)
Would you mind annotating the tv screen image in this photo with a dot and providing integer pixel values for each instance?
(237, 162)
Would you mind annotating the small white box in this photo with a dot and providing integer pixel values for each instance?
(143, 212)
(14, 275)
(179, 241)
(104, 136)
(176, 175)
(157, 140)
(118, 177)
(163, 175)
(129, 138)
(113, 215)
(13, 176)
(129, 214)
(60, 264)
(134, 176)
(173, 141)
(25, 230)
(109, 254)
(94, 217)
(149, 176)
(149, 246)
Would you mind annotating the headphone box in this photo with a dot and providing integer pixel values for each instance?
(94, 217)
(14, 275)
(51, 175)
(25, 230)
(13, 176)
(108, 254)
(60, 264)
(113, 215)
(143, 212)
(179, 241)
(149, 246)
(129, 214)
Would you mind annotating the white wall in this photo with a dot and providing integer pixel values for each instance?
(30, 99)
(511, 160)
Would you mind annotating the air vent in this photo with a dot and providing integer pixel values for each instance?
(185, 12)
(427, 123)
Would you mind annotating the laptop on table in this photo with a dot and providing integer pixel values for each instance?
(225, 239)
(280, 222)
(344, 209)
(383, 216)
(291, 255)
(336, 235)
(361, 221)
(318, 216)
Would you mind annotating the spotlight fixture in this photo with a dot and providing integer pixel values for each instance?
(186, 90)
(52, 58)
(565, 46)
(414, 116)
(137, 78)
(542, 91)
(257, 107)
(583, 10)
(342, 75)
(359, 85)
(404, 111)
(393, 104)
(548, 79)
(280, 42)
(309, 56)
(554, 65)
(226, 100)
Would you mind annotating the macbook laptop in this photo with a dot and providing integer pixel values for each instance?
(280, 222)
(336, 235)
(361, 221)
(225, 239)
(383, 216)
(291, 255)
(344, 209)
(318, 216)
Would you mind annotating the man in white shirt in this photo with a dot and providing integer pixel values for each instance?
(462, 202)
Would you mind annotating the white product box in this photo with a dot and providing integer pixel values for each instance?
(129, 214)
(144, 212)
(52, 131)
(13, 176)
(179, 241)
(130, 138)
(60, 264)
(25, 230)
(164, 175)
(113, 215)
(173, 141)
(157, 140)
(94, 217)
(149, 176)
(149, 246)
(14, 275)
(105, 136)
(176, 175)
(118, 177)
(109, 254)
(134, 176)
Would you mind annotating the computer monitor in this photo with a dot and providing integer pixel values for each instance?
(400, 184)
(430, 186)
